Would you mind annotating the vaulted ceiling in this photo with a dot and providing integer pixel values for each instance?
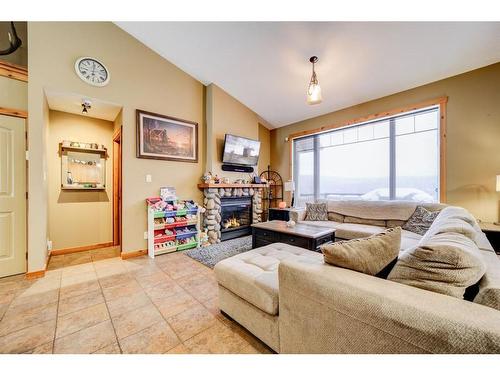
(265, 64)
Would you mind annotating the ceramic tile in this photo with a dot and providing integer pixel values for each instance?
(72, 304)
(110, 349)
(191, 322)
(15, 319)
(75, 290)
(121, 290)
(159, 292)
(75, 279)
(28, 338)
(81, 319)
(87, 340)
(149, 281)
(78, 269)
(134, 321)
(179, 349)
(46, 348)
(106, 253)
(77, 258)
(156, 339)
(175, 304)
(203, 288)
(112, 280)
(217, 339)
(127, 303)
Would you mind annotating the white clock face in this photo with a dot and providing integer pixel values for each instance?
(92, 71)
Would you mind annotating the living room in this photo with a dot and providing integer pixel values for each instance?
(250, 187)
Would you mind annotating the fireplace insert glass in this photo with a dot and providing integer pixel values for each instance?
(236, 217)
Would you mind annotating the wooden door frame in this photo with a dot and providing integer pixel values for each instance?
(117, 190)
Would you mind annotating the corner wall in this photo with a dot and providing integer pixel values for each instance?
(473, 135)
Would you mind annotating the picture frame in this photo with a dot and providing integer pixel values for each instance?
(163, 137)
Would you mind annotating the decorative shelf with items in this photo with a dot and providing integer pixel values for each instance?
(173, 225)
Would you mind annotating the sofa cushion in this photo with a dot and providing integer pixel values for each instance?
(395, 223)
(253, 275)
(347, 231)
(420, 221)
(489, 286)
(369, 255)
(445, 263)
(316, 211)
(359, 220)
(333, 216)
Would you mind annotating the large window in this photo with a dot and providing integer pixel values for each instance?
(395, 158)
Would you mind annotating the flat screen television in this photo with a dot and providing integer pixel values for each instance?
(240, 151)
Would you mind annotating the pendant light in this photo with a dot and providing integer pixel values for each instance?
(314, 90)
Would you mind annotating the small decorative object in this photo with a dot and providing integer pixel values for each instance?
(225, 180)
(217, 179)
(207, 177)
(239, 181)
(257, 180)
(92, 71)
(166, 138)
(69, 178)
(282, 205)
(168, 193)
(290, 223)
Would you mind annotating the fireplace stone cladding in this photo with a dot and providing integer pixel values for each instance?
(212, 202)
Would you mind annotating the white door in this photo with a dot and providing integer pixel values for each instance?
(12, 196)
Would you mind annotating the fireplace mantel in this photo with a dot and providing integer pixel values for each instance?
(213, 186)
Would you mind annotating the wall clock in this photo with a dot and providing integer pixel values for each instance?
(92, 71)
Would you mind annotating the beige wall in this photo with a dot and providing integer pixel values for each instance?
(473, 135)
(265, 148)
(78, 218)
(13, 93)
(225, 114)
(139, 79)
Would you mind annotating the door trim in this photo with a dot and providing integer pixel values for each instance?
(13, 112)
(117, 187)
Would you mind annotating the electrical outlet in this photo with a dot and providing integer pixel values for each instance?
(148, 178)
(145, 235)
(49, 245)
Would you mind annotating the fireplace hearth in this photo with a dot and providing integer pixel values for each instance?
(236, 217)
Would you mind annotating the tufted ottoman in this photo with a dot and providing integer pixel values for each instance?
(248, 287)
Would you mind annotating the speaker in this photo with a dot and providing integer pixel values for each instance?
(236, 168)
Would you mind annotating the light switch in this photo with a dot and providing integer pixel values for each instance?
(148, 178)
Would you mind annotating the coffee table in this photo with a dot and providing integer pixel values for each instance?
(307, 236)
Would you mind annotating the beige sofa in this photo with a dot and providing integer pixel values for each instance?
(295, 303)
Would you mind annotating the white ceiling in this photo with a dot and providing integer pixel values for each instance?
(265, 64)
(72, 103)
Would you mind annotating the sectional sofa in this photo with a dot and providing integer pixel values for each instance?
(295, 303)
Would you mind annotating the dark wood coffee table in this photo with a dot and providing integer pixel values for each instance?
(307, 236)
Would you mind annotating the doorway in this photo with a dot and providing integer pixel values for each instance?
(117, 187)
(12, 195)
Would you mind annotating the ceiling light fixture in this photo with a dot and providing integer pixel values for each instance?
(314, 90)
(86, 104)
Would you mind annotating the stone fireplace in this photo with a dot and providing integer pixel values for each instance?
(231, 209)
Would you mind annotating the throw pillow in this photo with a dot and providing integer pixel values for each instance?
(420, 221)
(368, 255)
(316, 212)
(446, 263)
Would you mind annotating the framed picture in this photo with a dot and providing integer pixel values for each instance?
(166, 138)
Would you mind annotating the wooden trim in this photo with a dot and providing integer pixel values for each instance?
(13, 71)
(134, 254)
(441, 102)
(13, 112)
(35, 274)
(71, 250)
(392, 112)
(117, 182)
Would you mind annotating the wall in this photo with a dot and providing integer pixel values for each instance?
(226, 115)
(473, 134)
(265, 148)
(78, 218)
(140, 79)
(13, 93)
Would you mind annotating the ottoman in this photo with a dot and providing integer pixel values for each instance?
(248, 287)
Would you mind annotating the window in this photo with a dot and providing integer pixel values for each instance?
(395, 158)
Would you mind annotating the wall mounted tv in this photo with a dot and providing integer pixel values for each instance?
(240, 151)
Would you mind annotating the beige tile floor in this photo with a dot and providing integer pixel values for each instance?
(95, 302)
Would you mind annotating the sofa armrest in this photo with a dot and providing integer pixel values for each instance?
(297, 214)
(326, 309)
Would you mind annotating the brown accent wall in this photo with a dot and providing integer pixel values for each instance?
(473, 135)
(78, 218)
(265, 148)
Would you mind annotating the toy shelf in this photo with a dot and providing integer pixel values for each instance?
(181, 234)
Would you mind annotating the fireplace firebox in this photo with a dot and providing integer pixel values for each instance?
(236, 217)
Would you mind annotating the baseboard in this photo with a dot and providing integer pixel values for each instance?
(134, 254)
(79, 249)
(35, 274)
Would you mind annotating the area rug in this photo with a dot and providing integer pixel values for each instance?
(211, 255)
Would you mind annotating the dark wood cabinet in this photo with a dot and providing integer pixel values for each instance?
(282, 214)
(263, 237)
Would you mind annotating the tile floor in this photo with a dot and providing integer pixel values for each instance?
(95, 302)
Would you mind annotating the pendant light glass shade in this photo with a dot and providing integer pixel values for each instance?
(314, 90)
